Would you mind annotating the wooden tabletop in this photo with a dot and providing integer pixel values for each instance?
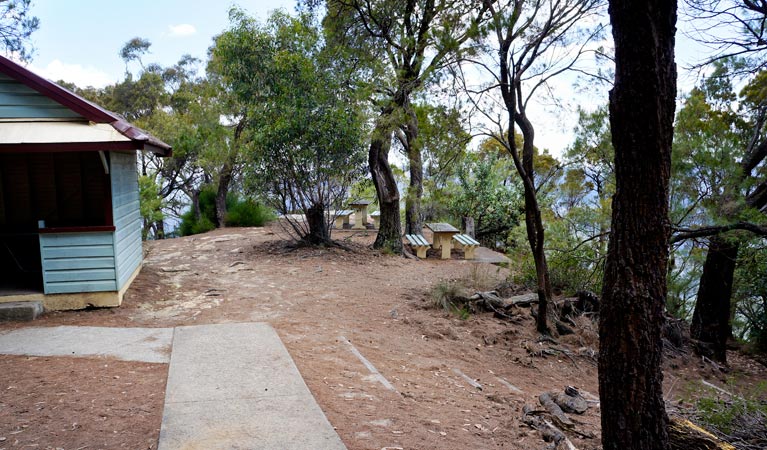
(442, 227)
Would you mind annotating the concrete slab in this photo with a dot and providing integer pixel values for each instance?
(485, 255)
(234, 386)
(128, 344)
(20, 311)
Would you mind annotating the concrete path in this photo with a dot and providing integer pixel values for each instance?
(129, 344)
(234, 386)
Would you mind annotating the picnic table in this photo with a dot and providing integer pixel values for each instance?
(360, 213)
(443, 237)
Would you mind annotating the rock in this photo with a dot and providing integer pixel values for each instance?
(20, 311)
(571, 401)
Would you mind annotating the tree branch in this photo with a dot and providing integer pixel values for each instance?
(691, 233)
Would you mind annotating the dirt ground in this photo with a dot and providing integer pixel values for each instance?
(317, 299)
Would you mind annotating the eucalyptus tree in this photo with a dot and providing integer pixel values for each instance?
(720, 187)
(302, 123)
(404, 45)
(16, 27)
(642, 105)
(526, 44)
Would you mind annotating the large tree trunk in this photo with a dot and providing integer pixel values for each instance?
(711, 318)
(390, 229)
(413, 216)
(634, 288)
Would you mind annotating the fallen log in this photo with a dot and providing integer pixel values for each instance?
(489, 300)
(523, 300)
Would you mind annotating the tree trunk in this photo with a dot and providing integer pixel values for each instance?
(390, 229)
(224, 180)
(634, 288)
(711, 318)
(227, 173)
(160, 229)
(467, 224)
(196, 204)
(413, 216)
(534, 223)
(318, 226)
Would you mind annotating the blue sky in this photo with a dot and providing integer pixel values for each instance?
(79, 40)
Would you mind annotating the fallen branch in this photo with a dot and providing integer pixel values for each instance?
(556, 412)
(685, 435)
(717, 388)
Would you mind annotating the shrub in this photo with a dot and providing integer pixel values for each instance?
(240, 213)
(248, 213)
(191, 226)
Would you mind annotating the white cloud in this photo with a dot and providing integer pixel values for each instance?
(82, 76)
(182, 30)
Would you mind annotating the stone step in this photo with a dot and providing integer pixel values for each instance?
(20, 311)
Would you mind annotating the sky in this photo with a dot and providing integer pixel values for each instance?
(79, 40)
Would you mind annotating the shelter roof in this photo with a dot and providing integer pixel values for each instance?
(36, 134)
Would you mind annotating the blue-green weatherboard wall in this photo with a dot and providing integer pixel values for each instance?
(98, 261)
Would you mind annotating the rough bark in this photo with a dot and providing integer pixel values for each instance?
(711, 318)
(390, 229)
(634, 288)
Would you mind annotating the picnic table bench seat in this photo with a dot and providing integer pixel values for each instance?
(419, 243)
(376, 219)
(468, 243)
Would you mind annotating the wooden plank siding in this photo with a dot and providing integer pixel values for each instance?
(78, 262)
(18, 101)
(103, 260)
(126, 215)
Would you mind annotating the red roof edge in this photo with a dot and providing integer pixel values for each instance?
(91, 111)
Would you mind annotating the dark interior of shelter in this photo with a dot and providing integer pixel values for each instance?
(46, 192)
